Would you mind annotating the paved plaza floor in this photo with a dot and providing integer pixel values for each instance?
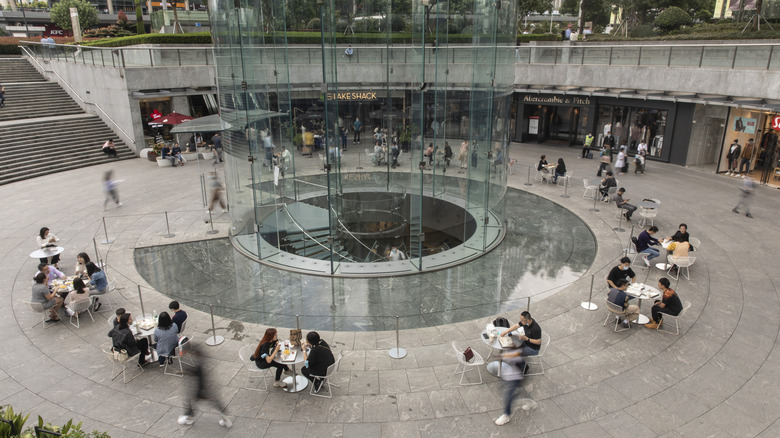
(720, 377)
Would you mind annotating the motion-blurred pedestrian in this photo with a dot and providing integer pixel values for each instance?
(109, 187)
(201, 390)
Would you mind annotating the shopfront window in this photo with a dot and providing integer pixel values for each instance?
(709, 124)
(631, 126)
(742, 126)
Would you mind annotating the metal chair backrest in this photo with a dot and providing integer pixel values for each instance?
(183, 326)
(545, 343)
(183, 347)
(245, 353)
(35, 307)
(614, 308)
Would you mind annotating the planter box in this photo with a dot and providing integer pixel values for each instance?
(207, 155)
(189, 156)
(144, 153)
(164, 162)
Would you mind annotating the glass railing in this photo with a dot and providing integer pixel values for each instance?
(759, 56)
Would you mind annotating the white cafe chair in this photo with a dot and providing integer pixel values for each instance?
(681, 262)
(37, 308)
(615, 312)
(647, 213)
(475, 363)
(123, 364)
(667, 317)
(180, 354)
(78, 308)
(537, 359)
(326, 380)
(590, 190)
(251, 369)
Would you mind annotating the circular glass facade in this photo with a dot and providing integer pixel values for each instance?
(378, 161)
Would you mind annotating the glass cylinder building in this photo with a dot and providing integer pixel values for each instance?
(373, 153)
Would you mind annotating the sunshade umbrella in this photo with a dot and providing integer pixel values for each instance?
(174, 119)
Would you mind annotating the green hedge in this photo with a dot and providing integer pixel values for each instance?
(10, 49)
(154, 38)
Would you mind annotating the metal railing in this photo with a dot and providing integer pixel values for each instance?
(756, 56)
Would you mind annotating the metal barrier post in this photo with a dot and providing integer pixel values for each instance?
(105, 231)
(595, 198)
(565, 188)
(141, 299)
(397, 352)
(358, 166)
(590, 305)
(528, 181)
(211, 222)
(168, 226)
(297, 322)
(620, 222)
(213, 339)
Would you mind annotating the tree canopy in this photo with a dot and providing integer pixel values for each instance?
(60, 14)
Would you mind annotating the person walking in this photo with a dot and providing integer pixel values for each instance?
(109, 187)
(2, 95)
(201, 390)
(216, 192)
(734, 152)
(744, 197)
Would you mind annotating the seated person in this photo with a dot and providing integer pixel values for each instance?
(81, 266)
(179, 316)
(349, 51)
(622, 271)
(47, 239)
(50, 300)
(618, 296)
(542, 167)
(318, 357)
(50, 271)
(682, 232)
(109, 149)
(679, 248)
(669, 304)
(97, 281)
(395, 255)
(122, 339)
(119, 312)
(166, 155)
(265, 353)
(532, 338)
(560, 170)
(429, 154)
(166, 337)
(644, 242)
(80, 294)
(623, 204)
(176, 154)
(607, 183)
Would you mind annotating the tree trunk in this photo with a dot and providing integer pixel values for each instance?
(740, 11)
(757, 15)
(139, 18)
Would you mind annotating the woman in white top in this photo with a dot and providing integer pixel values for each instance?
(620, 163)
(80, 293)
(81, 267)
(47, 240)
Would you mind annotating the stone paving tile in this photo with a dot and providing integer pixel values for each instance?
(319, 430)
(590, 429)
(617, 424)
(362, 430)
(346, 409)
(380, 408)
(401, 429)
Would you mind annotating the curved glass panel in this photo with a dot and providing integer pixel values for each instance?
(373, 160)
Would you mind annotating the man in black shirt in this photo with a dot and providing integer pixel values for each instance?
(532, 336)
(621, 271)
(179, 316)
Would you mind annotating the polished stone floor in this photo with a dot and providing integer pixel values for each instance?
(546, 248)
(719, 378)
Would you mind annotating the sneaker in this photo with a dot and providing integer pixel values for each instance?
(69, 312)
(502, 420)
(735, 210)
(280, 384)
(119, 204)
(625, 324)
(743, 176)
(651, 325)
(184, 420)
(748, 215)
(317, 386)
(287, 372)
(646, 260)
(225, 422)
(728, 173)
(98, 305)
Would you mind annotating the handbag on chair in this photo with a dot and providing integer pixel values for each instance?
(468, 354)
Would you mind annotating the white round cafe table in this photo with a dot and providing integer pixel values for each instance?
(301, 382)
(649, 293)
(647, 204)
(45, 253)
(495, 345)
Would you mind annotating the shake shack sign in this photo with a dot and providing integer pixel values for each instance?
(352, 95)
(557, 100)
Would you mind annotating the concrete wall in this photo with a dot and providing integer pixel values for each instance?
(107, 91)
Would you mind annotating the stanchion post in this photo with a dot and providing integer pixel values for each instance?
(565, 188)
(629, 249)
(595, 198)
(619, 229)
(359, 166)
(528, 305)
(528, 181)
(141, 299)
(397, 352)
(168, 227)
(590, 305)
(211, 223)
(105, 231)
(297, 322)
(213, 339)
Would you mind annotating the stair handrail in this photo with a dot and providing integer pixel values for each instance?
(62, 81)
(306, 233)
(344, 228)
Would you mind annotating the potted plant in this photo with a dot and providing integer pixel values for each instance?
(155, 152)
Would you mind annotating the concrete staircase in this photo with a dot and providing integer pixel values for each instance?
(43, 130)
